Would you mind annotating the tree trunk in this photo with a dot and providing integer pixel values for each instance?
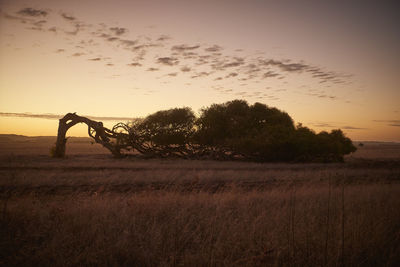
(61, 140)
(101, 135)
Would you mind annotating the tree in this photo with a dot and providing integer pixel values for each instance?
(235, 128)
(232, 130)
(96, 130)
(166, 132)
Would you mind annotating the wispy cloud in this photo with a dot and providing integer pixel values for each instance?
(221, 65)
(352, 128)
(270, 74)
(50, 116)
(152, 69)
(77, 28)
(185, 69)
(394, 123)
(201, 74)
(289, 67)
(39, 23)
(183, 48)
(31, 12)
(52, 29)
(112, 39)
(30, 115)
(232, 74)
(78, 54)
(118, 31)
(169, 61)
(214, 48)
(164, 38)
(200, 60)
(128, 43)
(335, 126)
(67, 17)
(320, 94)
(134, 64)
(28, 16)
(322, 124)
(326, 96)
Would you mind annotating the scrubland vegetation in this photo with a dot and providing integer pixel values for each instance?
(233, 130)
(91, 209)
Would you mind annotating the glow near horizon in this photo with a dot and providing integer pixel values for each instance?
(39, 74)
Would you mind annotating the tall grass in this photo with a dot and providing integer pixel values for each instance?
(91, 210)
(320, 225)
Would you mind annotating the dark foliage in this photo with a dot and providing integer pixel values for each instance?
(261, 133)
(232, 130)
(164, 133)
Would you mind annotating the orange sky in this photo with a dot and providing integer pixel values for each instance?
(329, 65)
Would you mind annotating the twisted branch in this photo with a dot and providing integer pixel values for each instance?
(110, 139)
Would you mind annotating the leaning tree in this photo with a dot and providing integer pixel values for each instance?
(232, 130)
(114, 140)
(162, 134)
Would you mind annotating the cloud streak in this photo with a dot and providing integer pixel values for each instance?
(67, 17)
(169, 61)
(31, 12)
(353, 128)
(329, 125)
(118, 31)
(134, 64)
(50, 116)
(214, 48)
(184, 48)
(393, 123)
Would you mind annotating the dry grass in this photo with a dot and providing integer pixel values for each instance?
(94, 210)
(278, 227)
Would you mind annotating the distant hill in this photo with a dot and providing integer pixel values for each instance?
(52, 139)
(376, 143)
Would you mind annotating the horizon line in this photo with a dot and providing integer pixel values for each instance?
(22, 135)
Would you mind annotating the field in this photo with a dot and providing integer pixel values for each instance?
(91, 209)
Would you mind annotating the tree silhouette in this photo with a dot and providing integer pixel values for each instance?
(232, 130)
(96, 130)
(165, 133)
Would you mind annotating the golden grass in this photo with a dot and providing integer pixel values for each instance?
(94, 210)
(278, 227)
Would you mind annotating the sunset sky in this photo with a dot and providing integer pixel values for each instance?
(329, 64)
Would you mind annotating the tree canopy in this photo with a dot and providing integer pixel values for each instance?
(232, 130)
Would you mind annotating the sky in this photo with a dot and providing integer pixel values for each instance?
(328, 64)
